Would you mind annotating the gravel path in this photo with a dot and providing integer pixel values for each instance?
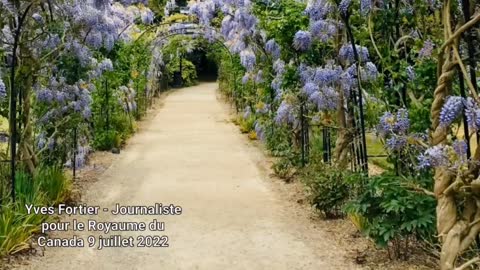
(190, 155)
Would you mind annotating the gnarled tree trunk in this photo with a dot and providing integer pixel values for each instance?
(458, 210)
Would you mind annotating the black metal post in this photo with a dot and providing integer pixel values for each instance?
(356, 159)
(302, 133)
(465, 122)
(137, 100)
(235, 94)
(324, 141)
(107, 107)
(470, 45)
(13, 101)
(145, 104)
(181, 71)
(469, 35)
(363, 146)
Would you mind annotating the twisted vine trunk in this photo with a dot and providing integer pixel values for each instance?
(457, 226)
(26, 74)
(344, 137)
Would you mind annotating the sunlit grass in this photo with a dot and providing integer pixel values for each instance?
(375, 148)
(3, 129)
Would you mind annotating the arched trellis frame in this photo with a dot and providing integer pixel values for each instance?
(162, 36)
(304, 127)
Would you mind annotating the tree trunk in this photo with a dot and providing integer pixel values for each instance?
(344, 137)
(458, 212)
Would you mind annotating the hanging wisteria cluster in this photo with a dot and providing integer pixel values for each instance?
(67, 35)
(126, 98)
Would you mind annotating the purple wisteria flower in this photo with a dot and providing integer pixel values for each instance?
(302, 40)
(279, 67)
(472, 113)
(3, 90)
(318, 9)
(245, 78)
(147, 16)
(426, 50)
(460, 148)
(309, 88)
(327, 75)
(371, 71)
(403, 122)
(325, 99)
(45, 95)
(396, 143)
(260, 131)
(285, 113)
(248, 59)
(324, 30)
(245, 18)
(365, 6)
(391, 124)
(436, 156)
(247, 112)
(346, 53)
(95, 39)
(344, 5)
(273, 48)
(411, 73)
(41, 140)
(277, 86)
(451, 110)
(306, 72)
(259, 77)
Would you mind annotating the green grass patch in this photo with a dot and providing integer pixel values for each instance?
(374, 148)
(48, 186)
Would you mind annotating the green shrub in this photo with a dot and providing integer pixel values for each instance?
(246, 125)
(277, 140)
(393, 212)
(106, 140)
(53, 183)
(124, 125)
(285, 168)
(327, 188)
(26, 190)
(15, 230)
(189, 72)
(16, 225)
(48, 186)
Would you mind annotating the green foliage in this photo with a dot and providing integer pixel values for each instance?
(393, 211)
(189, 72)
(106, 140)
(246, 125)
(27, 191)
(53, 183)
(113, 125)
(285, 167)
(48, 186)
(71, 69)
(292, 19)
(277, 140)
(157, 6)
(16, 229)
(327, 187)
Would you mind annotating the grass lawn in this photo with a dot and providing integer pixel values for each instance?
(375, 147)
